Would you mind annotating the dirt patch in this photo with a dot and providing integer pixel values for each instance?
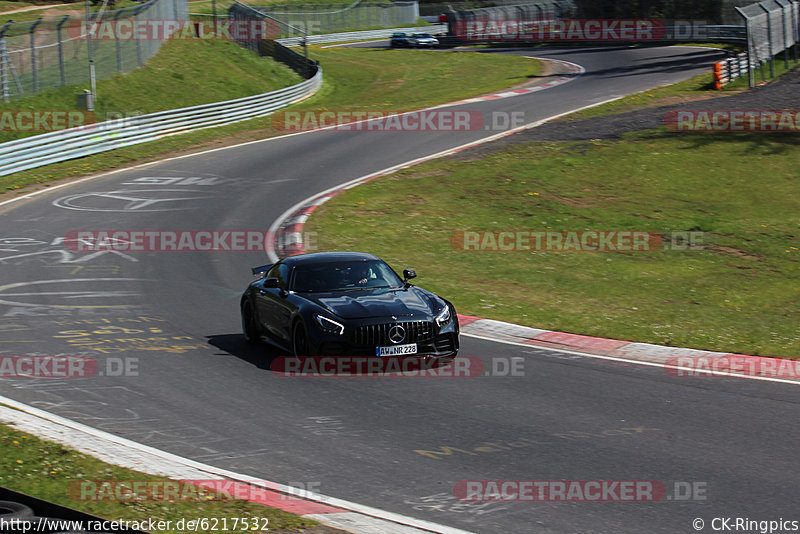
(733, 251)
(391, 84)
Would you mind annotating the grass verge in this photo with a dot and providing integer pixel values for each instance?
(50, 11)
(354, 80)
(204, 70)
(54, 473)
(737, 292)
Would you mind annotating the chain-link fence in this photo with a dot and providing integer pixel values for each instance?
(54, 52)
(768, 27)
(297, 19)
(461, 23)
(773, 27)
(429, 9)
(712, 11)
(264, 44)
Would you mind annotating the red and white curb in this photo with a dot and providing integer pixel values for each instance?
(573, 71)
(678, 361)
(337, 513)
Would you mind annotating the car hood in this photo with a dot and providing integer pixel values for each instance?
(368, 303)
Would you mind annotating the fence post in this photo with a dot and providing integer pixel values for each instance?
(61, 69)
(4, 62)
(769, 40)
(795, 26)
(117, 44)
(139, 57)
(34, 67)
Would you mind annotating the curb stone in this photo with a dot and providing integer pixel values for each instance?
(329, 511)
(680, 361)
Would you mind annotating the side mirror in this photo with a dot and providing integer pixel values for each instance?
(408, 274)
(262, 269)
(271, 283)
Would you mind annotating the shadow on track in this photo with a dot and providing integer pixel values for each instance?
(260, 355)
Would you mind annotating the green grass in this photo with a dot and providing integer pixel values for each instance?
(737, 293)
(77, 8)
(401, 80)
(204, 70)
(54, 473)
(9, 6)
(354, 80)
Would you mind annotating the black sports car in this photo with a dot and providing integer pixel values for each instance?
(401, 40)
(347, 304)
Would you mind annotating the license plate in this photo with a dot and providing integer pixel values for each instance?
(396, 350)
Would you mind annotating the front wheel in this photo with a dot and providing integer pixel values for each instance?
(250, 328)
(300, 340)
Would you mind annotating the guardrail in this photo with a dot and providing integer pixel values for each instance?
(729, 69)
(360, 35)
(55, 147)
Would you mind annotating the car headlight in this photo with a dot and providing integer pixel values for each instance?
(444, 317)
(329, 325)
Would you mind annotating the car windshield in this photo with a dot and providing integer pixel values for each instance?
(344, 275)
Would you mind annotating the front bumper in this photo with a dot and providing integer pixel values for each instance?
(362, 340)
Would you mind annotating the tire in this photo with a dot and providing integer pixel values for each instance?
(250, 328)
(13, 510)
(300, 340)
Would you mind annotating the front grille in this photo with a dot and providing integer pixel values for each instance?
(445, 343)
(378, 334)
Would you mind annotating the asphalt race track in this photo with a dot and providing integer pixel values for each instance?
(718, 447)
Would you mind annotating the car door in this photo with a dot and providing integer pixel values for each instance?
(271, 304)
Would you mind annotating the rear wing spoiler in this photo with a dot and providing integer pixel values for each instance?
(262, 269)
